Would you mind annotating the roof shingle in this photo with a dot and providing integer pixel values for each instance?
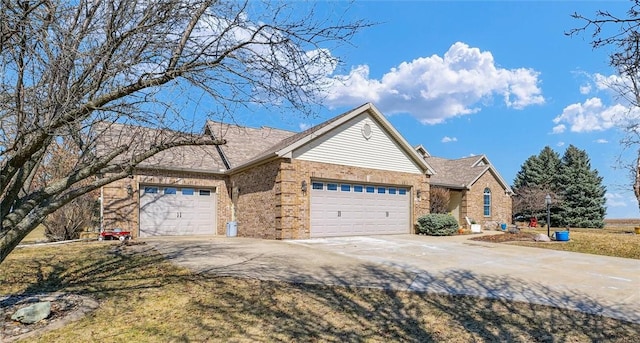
(459, 173)
(245, 143)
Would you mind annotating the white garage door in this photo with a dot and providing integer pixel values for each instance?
(347, 209)
(172, 211)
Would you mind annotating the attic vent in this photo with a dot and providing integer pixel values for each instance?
(481, 163)
(366, 130)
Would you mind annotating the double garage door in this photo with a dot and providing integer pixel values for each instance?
(172, 211)
(347, 209)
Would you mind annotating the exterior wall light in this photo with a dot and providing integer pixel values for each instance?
(419, 194)
(130, 190)
(303, 186)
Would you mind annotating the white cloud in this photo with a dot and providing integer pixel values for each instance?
(592, 115)
(436, 88)
(615, 200)
(560, 144)
(304, 126)
(559, 128)
(601, 141)
(447, 139)
(608, 83)
(585, 89)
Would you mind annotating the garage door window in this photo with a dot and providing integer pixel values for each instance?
(392, 191)
(358, 189)
(187, 191)
(332, 186)
(382, 190)
(317, 185)
(205, 192)
(345, 188)
(402, 191)
(170, 191)
(151, 190)
(371, 189)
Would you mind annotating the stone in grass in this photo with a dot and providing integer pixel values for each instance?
(541, 237)
(33, 313)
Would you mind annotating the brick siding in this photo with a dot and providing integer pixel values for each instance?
(272, 205)
(473, 203)
(256, 203)
(269, 203)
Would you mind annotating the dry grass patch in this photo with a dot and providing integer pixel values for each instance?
(143, 298)
(35, 236)
(616, 241)
(597, 242)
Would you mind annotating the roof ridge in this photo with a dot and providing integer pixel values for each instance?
(460, 158)
(262, 127)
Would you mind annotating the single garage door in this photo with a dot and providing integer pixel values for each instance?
(173, 211)
(347, 209)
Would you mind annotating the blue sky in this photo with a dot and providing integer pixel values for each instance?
(498, 78)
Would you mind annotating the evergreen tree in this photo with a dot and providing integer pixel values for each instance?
(550, 166)
(529, 173)
(583, 195)
(539, 171)
(537, 177)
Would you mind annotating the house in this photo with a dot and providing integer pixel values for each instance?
(351, 175)
(476, 189)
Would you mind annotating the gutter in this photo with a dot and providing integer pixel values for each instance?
(225, 160)
(450, 186)
(255, 162)
(177, 169)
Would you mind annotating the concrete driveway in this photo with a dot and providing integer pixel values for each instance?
(454, 265)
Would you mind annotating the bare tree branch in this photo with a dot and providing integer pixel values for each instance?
(71, 70)
(622, 33)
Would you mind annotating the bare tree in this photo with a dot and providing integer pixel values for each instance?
(529, 201)
(439, 199)
(80, 213)
(75, 70)
(70, 220)
(621, 32)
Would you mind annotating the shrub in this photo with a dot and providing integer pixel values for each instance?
(68, 221)
(439, 199)
(437, 224)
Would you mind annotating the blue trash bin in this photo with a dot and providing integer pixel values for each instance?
(562, 236)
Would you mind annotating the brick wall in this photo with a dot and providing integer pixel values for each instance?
(473, 202)
(271, 203)
(121, 210)
(255, 206)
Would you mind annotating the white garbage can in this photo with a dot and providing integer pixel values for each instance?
(232, 229)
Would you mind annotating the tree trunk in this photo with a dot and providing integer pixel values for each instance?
(636, 184)
(10, 237)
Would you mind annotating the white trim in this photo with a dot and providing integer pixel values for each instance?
(495, 173)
